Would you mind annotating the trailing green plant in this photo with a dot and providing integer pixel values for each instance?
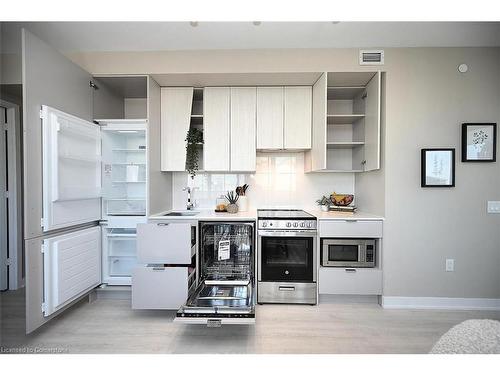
(194, 137)
(232, 197)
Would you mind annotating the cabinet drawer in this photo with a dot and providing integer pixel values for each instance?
(159, 287)
(351, 228)
(164, 243)
(367, 281)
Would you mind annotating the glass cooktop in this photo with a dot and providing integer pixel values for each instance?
(283, 214)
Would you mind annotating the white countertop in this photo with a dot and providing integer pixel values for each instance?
(208, 215)
(252, 215)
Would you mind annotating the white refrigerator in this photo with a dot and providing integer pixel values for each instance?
(94, 192)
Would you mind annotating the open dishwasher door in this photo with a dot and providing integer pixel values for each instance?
(226, 292)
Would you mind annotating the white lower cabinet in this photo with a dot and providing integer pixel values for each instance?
(364, 281)
(161, 287)
(165, 242)
(351, 228)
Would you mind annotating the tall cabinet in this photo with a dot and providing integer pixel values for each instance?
(346, 123)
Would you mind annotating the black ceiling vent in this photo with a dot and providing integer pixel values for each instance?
(371, 57)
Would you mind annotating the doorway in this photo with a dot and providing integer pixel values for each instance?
(11, 267)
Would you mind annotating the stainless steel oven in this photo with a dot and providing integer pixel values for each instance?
(345, 252)
(287, 259)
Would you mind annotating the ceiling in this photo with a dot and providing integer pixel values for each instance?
(150, 36)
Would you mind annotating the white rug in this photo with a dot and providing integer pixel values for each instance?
(475, 336)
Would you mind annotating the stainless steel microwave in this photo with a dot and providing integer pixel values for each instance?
(347, 252)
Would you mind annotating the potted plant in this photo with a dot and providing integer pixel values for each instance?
(242, 202)
(324, 203)
(194, 138)
(232, 198)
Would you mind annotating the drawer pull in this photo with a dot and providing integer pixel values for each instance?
(287, 288)
(350, 270)
(162, 224)
(158, 268)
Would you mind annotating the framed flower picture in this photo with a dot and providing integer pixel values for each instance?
(438, 167)
(479, 142)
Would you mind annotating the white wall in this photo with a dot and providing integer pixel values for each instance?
(426, 101)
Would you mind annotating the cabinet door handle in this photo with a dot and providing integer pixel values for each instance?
(351, 221)
(350, 270)
(162, 224)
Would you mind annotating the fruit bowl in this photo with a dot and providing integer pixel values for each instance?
(341, 199)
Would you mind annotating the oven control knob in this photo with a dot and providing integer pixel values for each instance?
(302, 224)
(264, 224)
(287, 272)
(288, 224)
(309, 224)
(295, 225)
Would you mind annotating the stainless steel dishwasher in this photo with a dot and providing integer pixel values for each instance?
(226, 292)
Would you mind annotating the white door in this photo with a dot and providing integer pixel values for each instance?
(71, 170)
(176, 105)
(243, 124)
(319, 127)
(72, 267)
(216, 128)
(3, 202)
(372, 123)
(269, 118)
(298, 117)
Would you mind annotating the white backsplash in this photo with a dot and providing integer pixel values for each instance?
(278, 182)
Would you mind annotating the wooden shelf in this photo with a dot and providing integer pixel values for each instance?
(344, 92)
(343, 119)
(344, 144)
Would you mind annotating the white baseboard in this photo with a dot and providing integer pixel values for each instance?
(440, 303)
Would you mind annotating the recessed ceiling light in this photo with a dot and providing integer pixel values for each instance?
(256, 23)
(193, 23)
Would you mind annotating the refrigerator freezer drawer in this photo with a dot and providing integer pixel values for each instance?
(164, 243)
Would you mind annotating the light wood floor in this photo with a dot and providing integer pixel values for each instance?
(110, 326)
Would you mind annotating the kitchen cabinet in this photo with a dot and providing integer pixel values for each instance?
(346, 123)
(167, 269)
(243, 128)
(176, 104)
(216, 129)
(270, 118)
(164, 242)
(297, 117)
(351, 228)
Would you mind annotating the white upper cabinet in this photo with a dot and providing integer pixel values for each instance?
(318, 149)
(298, 116)
(176, 103)
(243, 125)
(270, 118)
(216, 128)
(372, 124)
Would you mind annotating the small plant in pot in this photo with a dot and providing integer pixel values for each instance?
(324, 203)
(232, 198)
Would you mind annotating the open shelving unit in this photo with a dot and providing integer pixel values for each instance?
(346, 123)
(196, 120)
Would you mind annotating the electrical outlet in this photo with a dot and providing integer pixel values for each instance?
(494, 207)
(450, 265)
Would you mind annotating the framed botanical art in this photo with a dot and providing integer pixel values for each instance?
(479, 142)
(438, 167)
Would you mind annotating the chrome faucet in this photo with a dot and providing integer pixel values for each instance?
(189, 205)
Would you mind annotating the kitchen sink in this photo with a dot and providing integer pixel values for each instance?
(182, 213)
